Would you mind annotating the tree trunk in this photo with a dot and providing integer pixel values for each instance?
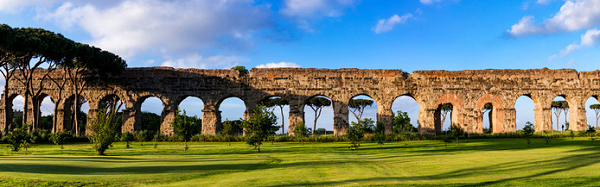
(315, 124)
(185, 145)
(597, 122)
(258, 147)
(25, 109)
(282, 121)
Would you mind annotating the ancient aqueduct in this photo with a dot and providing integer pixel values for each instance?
(468, 91)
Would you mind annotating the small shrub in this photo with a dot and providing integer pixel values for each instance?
(58, 138)
(20, 138)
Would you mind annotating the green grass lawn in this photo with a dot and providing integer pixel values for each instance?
(495, 162)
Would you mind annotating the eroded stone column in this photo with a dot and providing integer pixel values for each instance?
(211, 119)
(167, 118)
(6, 114)
(427, 120)
(510, 118)
(386, 116)
(543, 119)
(129, 120)
(296, 115)
(577, 117)
(340, 118)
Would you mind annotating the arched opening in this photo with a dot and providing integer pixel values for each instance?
(192, 108)
(592, 108)
(524, 109)
(150, 117)
(362, 110)
(112, 104)
(46, 114)
(487, 119)
(318, 112)
(232, 109)
(406, 114)
(443, 117)
(17, 113)
(280, 107)
(76, 115)
(560, 113)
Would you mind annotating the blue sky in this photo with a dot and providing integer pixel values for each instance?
(374, 34)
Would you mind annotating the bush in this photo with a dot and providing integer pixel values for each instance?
(20, 138)
(355, 134)
(58, 138)
(104, 131)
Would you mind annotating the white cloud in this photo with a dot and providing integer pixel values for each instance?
(590, 38)
(13, 6)
(384, 25)
(572, 16)
(146, 26)
(543, 2)
(429, 2)
(302, 12)
(198, 61)
(279, 65)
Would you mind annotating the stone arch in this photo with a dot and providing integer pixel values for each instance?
(279, 111)
(411, 114)
(457, 116)
(497, 120)
(375, 103)
(575, 109)
(69, 111)
(319, 117)
(138, 126)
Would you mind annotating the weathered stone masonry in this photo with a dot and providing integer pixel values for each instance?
(468, 91)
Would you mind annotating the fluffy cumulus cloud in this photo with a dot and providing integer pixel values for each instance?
(590, 38)
(136, 26)
(302, 12)
(384, 25)
(279, 65)
(572, 16)
(198, 61)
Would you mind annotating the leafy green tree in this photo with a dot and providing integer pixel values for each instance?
(357, 107)
(591, 130)
(279, 102)
(528, 132)
(127, 137)
(150, 121)
(446, 140)
(365, 125)
(58, 138)
(300, 131)
(316, 104)
(20, 138)
(380, 133)
(355, 135)
(596, 108)
(104, 131)
(141, 136)
(402, 123)
(90, 63)
(457, 132)
(185, 128)
(230, 129)
(242, 69)
(259, 126)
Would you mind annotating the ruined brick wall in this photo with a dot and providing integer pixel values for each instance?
(468, 91)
